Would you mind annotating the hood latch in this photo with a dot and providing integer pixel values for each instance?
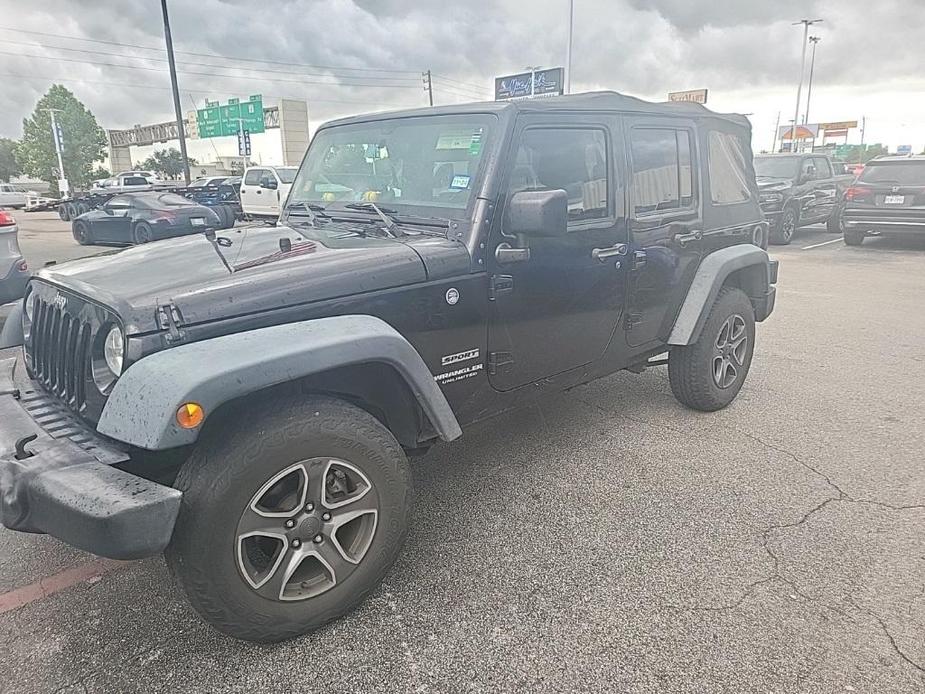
(170, 319)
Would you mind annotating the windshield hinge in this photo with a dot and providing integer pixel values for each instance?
(499, 360)
(170, 319)
(500, 284)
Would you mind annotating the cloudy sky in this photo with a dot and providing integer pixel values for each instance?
(349, 56)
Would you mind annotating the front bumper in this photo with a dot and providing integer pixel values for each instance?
(65, 483)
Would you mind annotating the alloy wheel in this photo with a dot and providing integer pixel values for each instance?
(306, 529)
(730, 349)
(787, 225)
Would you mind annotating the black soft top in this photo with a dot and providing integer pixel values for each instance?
(587, 101)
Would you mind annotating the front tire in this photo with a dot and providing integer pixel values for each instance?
(276, 535)
(783, 231)
(708, 374)
(81, 233)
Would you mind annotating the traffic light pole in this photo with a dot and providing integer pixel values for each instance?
(176, 93)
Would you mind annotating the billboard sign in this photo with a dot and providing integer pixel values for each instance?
(804, 132)
(840, 125)
(221, 121)
(904, 149)
(698, 96)
(526, 84)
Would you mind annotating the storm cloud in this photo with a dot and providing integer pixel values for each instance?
(339, 54)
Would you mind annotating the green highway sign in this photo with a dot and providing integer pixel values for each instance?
(221, 121)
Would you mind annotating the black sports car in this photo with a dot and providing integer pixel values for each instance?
(134, 218)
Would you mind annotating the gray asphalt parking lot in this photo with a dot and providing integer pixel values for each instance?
(609, 540)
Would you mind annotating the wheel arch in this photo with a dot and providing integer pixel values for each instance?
(359, 358)
(744, 266)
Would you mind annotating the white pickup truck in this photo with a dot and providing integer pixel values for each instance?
(11, 196)
(264, 190)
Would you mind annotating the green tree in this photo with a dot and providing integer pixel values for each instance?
(100, 172)
(84, 140)
(9, 167)
(167, 163)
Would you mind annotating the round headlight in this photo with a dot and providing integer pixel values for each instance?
(113, 349)
(28, 310)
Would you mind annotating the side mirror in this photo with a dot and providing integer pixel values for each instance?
(537, 213)
(809, 174)
(269, 183)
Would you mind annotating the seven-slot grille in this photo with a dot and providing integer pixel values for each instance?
(60, 352)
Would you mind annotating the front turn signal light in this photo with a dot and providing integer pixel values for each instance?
(190, 415)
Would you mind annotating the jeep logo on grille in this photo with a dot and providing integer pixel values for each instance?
(60, 301)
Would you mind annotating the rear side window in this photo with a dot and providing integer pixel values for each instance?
(727, 168)
(662, 172)
(823, 170)
(286, 175)
(574, 160)
(134, 181)
(907, 173)
(252, 177)
(173, 200)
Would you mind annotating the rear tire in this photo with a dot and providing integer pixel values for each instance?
(853, 237)
(835, 224)
(227, 482)
(142, 233)
(708, 374)
(782, 233)
(63, 214)
(81, 231)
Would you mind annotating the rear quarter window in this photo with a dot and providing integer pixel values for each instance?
(727, 169)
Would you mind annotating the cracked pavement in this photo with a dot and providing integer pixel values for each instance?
(607, 540)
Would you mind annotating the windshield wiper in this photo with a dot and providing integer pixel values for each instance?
(384, 214)
(315, 212)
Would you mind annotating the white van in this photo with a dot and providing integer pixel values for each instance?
(264, 189)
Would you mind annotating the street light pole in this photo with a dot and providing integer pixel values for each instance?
(809, 88)
(63, 186)
(568, 52)
(796, 111)
(176, 93)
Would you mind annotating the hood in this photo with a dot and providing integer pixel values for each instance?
(768, 184)
(188, 272)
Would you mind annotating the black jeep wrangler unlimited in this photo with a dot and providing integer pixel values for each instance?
(246, 403)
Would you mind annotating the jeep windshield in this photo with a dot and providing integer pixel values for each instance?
(776, 167)
(420, 166)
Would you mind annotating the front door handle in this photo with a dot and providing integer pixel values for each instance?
(603, 254)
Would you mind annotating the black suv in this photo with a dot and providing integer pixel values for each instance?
(248, 401)
(887, 198)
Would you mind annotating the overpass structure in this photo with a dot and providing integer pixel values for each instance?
(290, 116)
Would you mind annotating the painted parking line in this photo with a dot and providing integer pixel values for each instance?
(89, 572)
(824, 243)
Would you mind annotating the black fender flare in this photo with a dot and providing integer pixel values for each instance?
(11, 335)
(713, 272)
(141, 409)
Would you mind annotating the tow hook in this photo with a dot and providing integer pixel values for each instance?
(21, 452)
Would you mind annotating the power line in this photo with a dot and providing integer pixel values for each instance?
(208, 55)
(200, 64)
(208, 74)
(195, 91)
(472, 85)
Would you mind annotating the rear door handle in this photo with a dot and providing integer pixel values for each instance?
(602, 254)
(684, 239)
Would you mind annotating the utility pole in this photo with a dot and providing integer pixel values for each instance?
(176, 93)
(533, 69)
(428, 86)
(861, 150)
(568, 51)
(776, 128)
(63, 186)
(796, 111)
(812, 67)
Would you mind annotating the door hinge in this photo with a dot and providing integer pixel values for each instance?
(498, 360)
(631, 320)
(500, 284)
